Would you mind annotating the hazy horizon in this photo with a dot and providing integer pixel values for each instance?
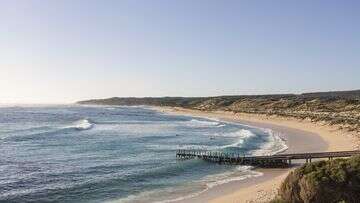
(66, 51)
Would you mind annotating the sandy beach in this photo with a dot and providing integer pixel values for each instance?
(299, 135)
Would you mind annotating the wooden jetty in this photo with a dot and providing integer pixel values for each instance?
(271, 161)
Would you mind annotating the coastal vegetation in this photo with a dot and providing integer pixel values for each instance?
(332, 181)
(334, 108)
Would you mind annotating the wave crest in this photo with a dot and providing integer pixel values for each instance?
(202, 123)
(83, 124)
(242, 135)
(274, 145)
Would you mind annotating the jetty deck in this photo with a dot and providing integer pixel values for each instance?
(271, 161)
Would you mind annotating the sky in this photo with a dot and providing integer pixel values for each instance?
(64, 51)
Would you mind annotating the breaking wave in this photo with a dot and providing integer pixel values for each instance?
(203, 123)
(242, 135)
(273, 145)
(83, 124)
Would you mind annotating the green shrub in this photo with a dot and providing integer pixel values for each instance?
(324, 181)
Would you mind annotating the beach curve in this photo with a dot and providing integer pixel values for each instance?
(300, 136)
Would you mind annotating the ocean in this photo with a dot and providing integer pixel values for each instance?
(73, 153)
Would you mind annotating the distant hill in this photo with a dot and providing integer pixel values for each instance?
(225, 100)
(338, 107)
(353, 94)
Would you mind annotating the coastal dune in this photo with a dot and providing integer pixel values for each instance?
(299, 135)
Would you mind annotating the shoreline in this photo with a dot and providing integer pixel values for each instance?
(299, 135)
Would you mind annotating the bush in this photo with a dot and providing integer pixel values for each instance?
(324, 181)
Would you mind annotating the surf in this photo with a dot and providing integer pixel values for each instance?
(83, 124)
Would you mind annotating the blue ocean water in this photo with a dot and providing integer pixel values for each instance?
(116, 154)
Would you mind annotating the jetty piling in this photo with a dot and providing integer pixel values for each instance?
(271, 161)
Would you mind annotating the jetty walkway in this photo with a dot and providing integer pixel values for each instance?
(271, 161)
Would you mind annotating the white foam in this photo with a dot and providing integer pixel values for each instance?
(219, 179)
(151, 196)
(83, 124)
(273, 146)
(196, 147)
(236, 144)
(224, 178)
(241, 134)
(221, 125)
(182, 147)
(201, 123)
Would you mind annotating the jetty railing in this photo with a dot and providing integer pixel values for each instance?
(277, 160)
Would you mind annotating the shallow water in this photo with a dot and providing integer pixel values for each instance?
(116, 154)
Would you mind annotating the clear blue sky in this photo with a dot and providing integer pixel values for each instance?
(63, 51)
